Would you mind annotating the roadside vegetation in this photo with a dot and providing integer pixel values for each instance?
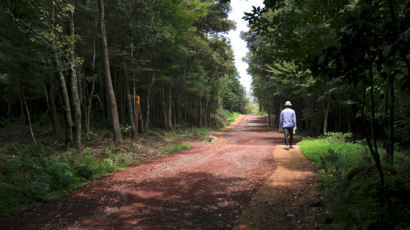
(345, 67)
(31, 175)
(229, 117)
(177, 147)
(350, 185)
(73, 74)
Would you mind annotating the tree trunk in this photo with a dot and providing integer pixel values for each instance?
(206, 113)
(174, 117)
(200, 109)
(165, 119)
(54, 116)
(170, 107)
(131, 103)
(89, 107)
(47, 99)
(9, 102)
(280, 111)
(91, 95)
(130, 107)
(136, 122)
(129, 97)
(141, 127)
(147, 117)
(373, 146)
(326, 114)
(67, 106)
(28, 114)
(140, 117)
(185, 120)
(112, 104)
(74, 88)
(179, 110)
(22, 110)
(390, 152)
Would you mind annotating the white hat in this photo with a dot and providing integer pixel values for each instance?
(287, 103)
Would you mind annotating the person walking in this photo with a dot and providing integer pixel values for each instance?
(288, 123)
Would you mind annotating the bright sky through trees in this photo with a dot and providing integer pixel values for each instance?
(239, 7)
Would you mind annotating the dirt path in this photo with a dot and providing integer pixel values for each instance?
(246, 182)
(288, 199)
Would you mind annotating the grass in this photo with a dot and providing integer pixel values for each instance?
(200, 131)
(177, 147)
(180, 133)
(348, 154)
(30, 175)
(232, 117)
(195, 132)
(351, 187)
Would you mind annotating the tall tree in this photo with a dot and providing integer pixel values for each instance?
(74, 84)
(112, 104)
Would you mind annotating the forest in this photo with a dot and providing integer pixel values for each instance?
(344, 65)
(71, 67)
(75, 71)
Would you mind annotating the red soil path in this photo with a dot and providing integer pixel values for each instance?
(205, 187)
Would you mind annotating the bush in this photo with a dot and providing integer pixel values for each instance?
(29, 176)
(338, 138)
(177, 147)
(351, 187)
(179, 133)
(200, 132)
(225, 118)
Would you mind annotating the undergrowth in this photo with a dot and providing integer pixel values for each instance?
(351, 187)
(195, 132)
(225, 118)
(30, 175)
(177, 147)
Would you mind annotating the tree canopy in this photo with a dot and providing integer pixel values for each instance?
(343, 64)
(74, 65)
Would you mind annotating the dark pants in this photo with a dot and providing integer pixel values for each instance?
(288, 135)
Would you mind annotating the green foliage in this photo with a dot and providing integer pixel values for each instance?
(153, 132)
(177, 147)
(177, 45)
(350, 184)
(180, 133)
(308, 52)
(195, 132)
(29, 176)
(234, 98)
(231, 117)
(252, 108)
(338, 138)
(126, 130)
(200, 131)
(224, 118)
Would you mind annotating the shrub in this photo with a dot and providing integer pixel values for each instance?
(200, 132)
(351, 187)
(224, 118)
(177, 147)
(29, 176)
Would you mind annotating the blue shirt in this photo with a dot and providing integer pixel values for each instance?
(287, 118)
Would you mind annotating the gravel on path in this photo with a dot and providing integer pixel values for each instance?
(209, 186)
